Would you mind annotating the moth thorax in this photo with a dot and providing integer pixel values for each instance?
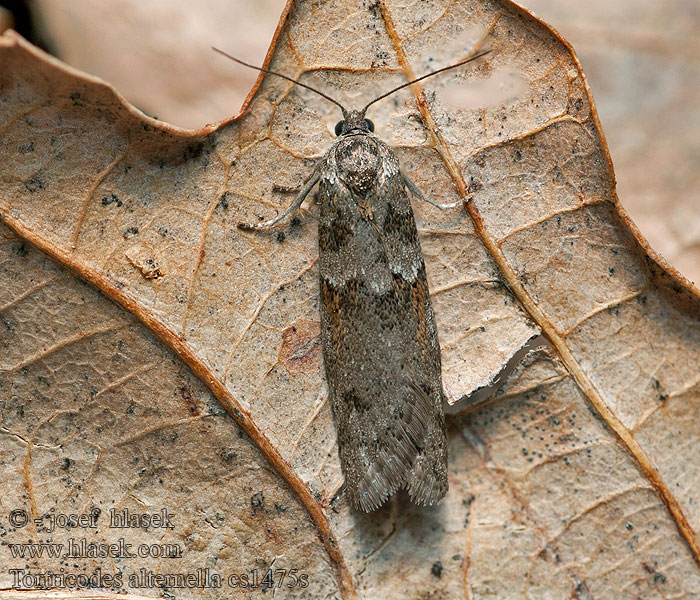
(358, 162)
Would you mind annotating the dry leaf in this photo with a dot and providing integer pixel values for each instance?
(641, 62)
(577, 481)
(641, 69)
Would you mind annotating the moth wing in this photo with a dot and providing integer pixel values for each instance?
(381, 352)
(386, 459)
(427, 481)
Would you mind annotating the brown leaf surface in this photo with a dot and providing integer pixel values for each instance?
(641, 59)
(578, 480)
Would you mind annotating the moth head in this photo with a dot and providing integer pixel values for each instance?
(353, 121)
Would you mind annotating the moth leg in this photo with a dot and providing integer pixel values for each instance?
(416, 193)
(308, 185)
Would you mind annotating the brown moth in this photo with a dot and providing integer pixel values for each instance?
(380, 343)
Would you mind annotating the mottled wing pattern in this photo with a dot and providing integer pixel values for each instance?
(380, 345)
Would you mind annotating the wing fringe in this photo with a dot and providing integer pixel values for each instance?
(404, 463)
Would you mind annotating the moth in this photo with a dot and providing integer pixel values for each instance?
(380, 345)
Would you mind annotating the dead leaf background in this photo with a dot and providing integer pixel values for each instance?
(532, 475)
(639, 57)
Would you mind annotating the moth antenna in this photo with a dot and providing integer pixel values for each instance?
(403, 85)
(264, 70)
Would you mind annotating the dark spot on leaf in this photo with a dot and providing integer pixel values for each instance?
(581, 592)
(223, 201)
(111, 199)
(474, 185)
(436, 569)
(257, 502)
(76, 99)
(35, 183)
(193, 151)
(228, 455)
(575, 105)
